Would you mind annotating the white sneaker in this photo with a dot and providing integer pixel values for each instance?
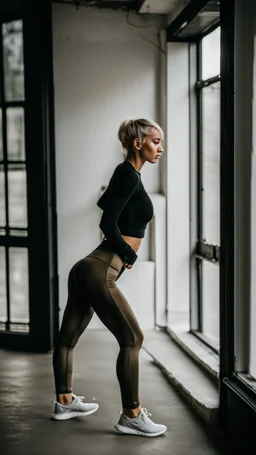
(75, 409)
(140, 425)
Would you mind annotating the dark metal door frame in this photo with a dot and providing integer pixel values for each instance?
(41, 191)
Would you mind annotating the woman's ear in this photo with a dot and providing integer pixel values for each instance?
(136, 143)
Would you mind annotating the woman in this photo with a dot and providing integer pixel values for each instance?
(127, 209)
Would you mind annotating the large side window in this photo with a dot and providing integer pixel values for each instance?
(252, 349)
(14, 295)
(208, 188)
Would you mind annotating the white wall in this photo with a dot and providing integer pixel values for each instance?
(104, 71)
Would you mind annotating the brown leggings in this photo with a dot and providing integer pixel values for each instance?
(92, 287)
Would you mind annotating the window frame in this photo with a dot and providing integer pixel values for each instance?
(200, 250)
(41, 181)
(8, 240)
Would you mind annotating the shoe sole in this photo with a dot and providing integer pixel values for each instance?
(127, 430)
(70, 415)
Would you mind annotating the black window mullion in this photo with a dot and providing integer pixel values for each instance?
(4, 124)
(15, 104)
(199, 181)
(14, 241)
(4, 132)
(7, 325)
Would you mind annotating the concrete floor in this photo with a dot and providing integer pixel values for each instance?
(26, 391)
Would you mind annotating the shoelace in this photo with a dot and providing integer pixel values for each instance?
(79, 397)
(145, 416)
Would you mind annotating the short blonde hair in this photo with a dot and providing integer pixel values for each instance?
(138, 128)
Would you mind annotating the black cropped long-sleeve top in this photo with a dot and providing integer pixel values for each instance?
(127, 209)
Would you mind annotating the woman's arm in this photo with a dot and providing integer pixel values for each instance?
(123, 185)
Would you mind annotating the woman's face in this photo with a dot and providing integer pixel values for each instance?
(152, 149)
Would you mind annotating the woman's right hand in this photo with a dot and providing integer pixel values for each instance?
(127, 266)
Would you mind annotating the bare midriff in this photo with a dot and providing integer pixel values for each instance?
(134, 242)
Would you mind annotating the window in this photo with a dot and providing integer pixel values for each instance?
(252, 361)
(14, 295)
(208, 190)
(252, 349)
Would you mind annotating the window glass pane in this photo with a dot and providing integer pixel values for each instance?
(211, 163)
(18, 232)
(13, 61)
(210, 301)
(211, 54)
(15, 134)
(24, 328)
(17, 192)
(3, 297)
(19, 304)
(252, 348)
(1, 137)
(2, 197)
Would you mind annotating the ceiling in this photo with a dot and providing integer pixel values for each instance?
(195, 21)
(163, 6)
(179, 12)
(143, 6)
(102, 3)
